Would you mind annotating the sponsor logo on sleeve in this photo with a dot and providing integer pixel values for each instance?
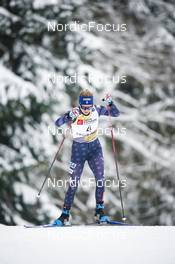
(80, 122)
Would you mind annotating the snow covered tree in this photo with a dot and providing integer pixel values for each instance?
(30, 55)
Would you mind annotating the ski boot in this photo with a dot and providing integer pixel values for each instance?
(100, 216)
(63, 220)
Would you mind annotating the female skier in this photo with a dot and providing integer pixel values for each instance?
(86, 147)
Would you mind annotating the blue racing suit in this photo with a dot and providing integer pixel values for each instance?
(86, 147)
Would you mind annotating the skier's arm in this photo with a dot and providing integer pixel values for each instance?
(113, 110)
(64, 119)
(67, 117)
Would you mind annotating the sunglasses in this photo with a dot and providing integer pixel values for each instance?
(86, 107)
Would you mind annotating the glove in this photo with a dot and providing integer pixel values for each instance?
(108, 99)
(74, 113)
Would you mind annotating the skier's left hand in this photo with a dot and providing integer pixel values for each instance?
(108, 99)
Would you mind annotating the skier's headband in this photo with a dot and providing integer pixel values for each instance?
(85, 100)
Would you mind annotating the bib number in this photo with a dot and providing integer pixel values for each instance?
(89, 129)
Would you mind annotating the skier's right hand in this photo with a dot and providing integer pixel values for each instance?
(74, 113)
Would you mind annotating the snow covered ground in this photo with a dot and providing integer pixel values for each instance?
(87, 244)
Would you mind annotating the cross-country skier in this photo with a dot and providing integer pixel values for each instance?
(86, 147)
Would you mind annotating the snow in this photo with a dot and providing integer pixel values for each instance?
(87, 244)
(17, 88)
(30, 197)
(41, 4)
(5, 13)
(29, 194)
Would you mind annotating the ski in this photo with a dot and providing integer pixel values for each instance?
(108, 223)
(111, 222)
(44, 226)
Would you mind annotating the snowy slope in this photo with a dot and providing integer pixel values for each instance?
(87, 244)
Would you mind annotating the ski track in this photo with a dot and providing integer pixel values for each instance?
(87, 244)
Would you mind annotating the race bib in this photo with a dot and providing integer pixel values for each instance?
(86, 127)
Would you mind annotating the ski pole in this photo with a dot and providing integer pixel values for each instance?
(116, 162)
(56, 155)
(49, 170)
